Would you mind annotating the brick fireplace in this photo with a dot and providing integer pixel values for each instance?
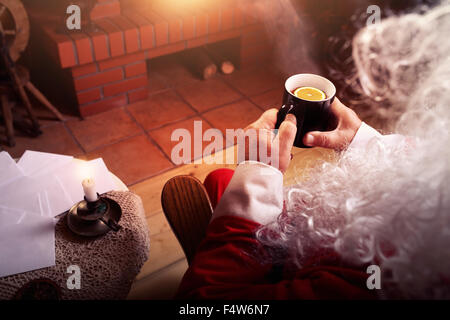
(108, 66)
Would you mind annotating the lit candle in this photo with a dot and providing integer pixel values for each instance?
(89, 189)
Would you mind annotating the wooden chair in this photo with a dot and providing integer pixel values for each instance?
(188, 209)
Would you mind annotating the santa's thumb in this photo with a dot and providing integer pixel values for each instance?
(329, 139)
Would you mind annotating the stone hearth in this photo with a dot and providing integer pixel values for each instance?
(108, 67)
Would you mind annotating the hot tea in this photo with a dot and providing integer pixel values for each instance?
(309, 93)
(308, 97)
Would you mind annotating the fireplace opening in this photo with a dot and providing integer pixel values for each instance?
(93, 66)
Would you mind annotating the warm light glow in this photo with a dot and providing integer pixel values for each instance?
(180, 4)
(88, 182)
(84, 170)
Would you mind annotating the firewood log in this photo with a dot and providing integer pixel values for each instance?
(221, 60)
(225, 54)
(199, 62)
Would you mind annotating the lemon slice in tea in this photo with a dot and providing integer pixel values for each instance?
(310, 93)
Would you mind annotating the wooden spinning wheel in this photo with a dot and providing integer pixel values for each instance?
(15, 26)
(14, 36)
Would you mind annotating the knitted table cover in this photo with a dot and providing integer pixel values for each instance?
(108, 264)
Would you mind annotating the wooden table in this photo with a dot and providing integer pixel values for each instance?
(108, 265)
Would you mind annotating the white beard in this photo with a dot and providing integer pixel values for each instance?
(389, 196)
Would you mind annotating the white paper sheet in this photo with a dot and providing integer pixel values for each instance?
(61, 187)
(40, 163)
(44, 196)
(27, 241)
(9, 171)
(72, 175)
(33, 191)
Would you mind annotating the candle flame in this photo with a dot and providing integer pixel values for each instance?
(85, 170)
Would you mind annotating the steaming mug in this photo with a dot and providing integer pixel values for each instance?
(310, 115)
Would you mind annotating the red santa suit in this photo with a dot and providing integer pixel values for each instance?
(230, 263)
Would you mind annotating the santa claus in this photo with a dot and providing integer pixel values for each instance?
(384, 206)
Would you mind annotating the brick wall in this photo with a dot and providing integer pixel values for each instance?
(105, 9)
(108, 65)
(103, 85)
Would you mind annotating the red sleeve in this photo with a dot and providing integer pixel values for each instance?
(228, 265)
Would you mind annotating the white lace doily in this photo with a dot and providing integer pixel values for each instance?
(108, 264)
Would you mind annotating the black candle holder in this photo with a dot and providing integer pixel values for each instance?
(94, 218)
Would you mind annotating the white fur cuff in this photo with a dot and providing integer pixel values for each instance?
(255, 193)
(363, 136)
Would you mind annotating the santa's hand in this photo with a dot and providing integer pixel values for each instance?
(277, 146)
(342, 136)
(285, 141)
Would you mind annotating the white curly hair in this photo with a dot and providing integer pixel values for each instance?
(387, 204)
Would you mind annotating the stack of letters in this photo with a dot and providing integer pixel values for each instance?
(33, 191)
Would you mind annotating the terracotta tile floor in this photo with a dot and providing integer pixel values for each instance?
(56, 138)
(205, 95)
(160, 109)
(134, 141)
(103, 129)
(256, 80)
(163, 135)
(269, 99)
(134, 159)
(233, 116)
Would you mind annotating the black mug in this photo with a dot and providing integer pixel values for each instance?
(310, 115)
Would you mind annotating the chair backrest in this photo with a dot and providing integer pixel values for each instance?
(188, 209)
